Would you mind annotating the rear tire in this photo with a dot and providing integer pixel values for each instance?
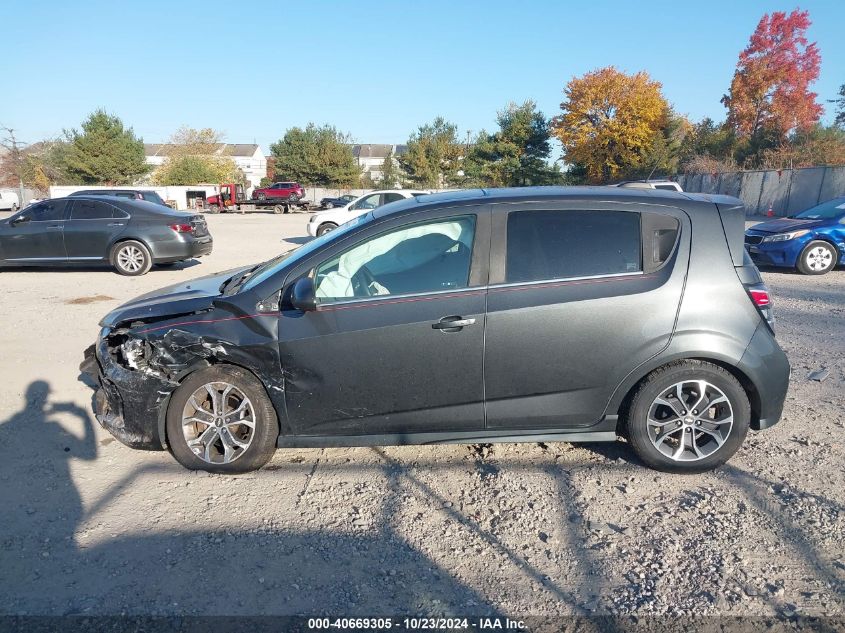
(231, 446)
(817, 258)
(325, 227)
(131, 258)
(279, 209)
(692, 428)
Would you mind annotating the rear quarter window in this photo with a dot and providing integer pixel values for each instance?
(563, 244)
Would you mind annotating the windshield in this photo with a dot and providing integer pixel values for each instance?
(152, 196)
(824, 211)
(272, 266)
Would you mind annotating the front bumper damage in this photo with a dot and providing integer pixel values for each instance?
(134, 412)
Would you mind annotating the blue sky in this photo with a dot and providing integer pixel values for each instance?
(373, 68)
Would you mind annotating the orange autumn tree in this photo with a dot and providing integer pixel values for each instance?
(770, 91)
(609, 122)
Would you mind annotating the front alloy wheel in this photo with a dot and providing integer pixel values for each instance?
(221, 420)
(218, 422)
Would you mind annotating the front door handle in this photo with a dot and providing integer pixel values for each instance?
(115, 224)
(452, 323)
(54, 226)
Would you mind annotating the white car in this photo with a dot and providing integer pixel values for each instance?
(329, 220)
(9, 201)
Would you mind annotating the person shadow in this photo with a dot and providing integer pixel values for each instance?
(56, 558)
(41, 505)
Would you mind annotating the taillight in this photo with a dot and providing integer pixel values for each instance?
(182, 228)
(759, 295)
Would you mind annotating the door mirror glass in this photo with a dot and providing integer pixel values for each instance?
(303, 296)
(21, 219)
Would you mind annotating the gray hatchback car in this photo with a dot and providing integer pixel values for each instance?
(511, 315)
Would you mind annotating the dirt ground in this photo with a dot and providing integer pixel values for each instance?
(91, 527)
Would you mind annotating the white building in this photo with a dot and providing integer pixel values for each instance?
(371, 157)
(247, 157)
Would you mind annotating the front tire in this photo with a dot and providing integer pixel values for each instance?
(817, 258)
(279, 209)
(325, 227)
(688, 417)
(220, 420)
(131, 258)
(293, 198)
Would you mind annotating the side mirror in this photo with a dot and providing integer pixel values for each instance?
(303, 297)
(21, 219)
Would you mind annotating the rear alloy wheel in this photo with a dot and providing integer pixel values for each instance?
(817, 258)
(14, 208)
(221, 420)
(131, 258)
(328, 205)
(688, 417)
(325, 227)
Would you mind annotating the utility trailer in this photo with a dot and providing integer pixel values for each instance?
(232, 199)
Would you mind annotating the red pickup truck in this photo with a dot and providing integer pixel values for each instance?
(290, 192)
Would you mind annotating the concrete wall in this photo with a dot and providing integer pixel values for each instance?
(785, 191)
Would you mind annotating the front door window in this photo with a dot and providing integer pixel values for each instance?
(414, 259)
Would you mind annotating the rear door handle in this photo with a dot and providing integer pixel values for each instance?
(452, 323)
(54, 226)
(115, 223)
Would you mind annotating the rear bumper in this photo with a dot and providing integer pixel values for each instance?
(128, 403)
(765, 363)
(191, 247)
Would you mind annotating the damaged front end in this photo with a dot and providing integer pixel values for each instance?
(149, 345)
(138, 367)
(135, 379)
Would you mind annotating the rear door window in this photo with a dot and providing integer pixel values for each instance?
(545, 245)
(91, 210)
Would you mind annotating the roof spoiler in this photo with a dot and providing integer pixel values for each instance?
(732, 214)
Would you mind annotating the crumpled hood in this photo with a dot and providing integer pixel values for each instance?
(182, 298)
(785, 225)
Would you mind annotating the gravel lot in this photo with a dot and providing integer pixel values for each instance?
(92, 527)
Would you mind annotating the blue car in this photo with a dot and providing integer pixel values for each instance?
(812, 241)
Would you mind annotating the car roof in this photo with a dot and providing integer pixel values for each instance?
(540, 194)
(132, 203)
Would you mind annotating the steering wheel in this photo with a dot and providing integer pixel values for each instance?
(361, 281)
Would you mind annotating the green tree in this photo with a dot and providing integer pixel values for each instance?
(515, 156)
(390, 173)
(434, 155)
(104, 152)
(840, 107)
(663, 157)
(316, 156)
